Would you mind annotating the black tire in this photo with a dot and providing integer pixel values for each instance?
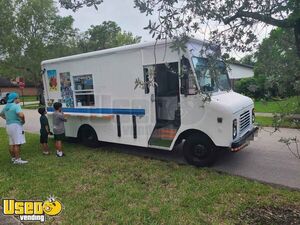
(199, 150)
(88, 137)
(2, 102)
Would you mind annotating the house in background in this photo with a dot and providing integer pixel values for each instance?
(239, 71)
(7, 86)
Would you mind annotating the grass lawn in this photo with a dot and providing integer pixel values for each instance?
(103, 186)
(268, 122)
(31, 106)
(286, 105)
(29, 98)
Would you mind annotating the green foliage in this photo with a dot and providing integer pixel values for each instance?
(37, 33)
(6, 25)
(235, 22)
(252, 87)
(277, 61)
(276, 68)
(106, 35)
(76, 4)
(32, 31)
(248, 60)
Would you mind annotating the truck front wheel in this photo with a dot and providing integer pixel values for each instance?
(199, 151)
(88, 137)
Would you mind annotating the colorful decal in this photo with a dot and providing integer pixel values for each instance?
(52, 79)
(66, 90)
(50, 102)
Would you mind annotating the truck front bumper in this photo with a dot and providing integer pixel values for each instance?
(242, 142)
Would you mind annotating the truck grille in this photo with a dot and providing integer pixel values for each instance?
(244, 121)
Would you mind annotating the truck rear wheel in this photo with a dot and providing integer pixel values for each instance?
(88, 137)
(199, 151)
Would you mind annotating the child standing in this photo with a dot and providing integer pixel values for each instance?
(58, 128)
(44, 131)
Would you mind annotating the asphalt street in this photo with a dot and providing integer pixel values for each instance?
(265, 159)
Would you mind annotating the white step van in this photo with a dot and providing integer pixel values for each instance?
(98, 93)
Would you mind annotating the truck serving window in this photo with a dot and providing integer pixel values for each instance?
(212, 76)
(84, 90)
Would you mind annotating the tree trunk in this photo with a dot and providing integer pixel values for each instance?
(297, 36)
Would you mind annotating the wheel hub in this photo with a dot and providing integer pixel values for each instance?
(200, 151)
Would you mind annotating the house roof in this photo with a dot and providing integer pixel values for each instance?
(242, 65)
(4, 82)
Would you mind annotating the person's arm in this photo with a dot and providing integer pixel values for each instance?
(47, 126)
(47, 129)
(20, 114)
(22, 117)
(62, 117)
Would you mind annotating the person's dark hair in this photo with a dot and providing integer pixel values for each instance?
(57, 105)
(42, 110)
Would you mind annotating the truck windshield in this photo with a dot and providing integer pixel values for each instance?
(211, 76)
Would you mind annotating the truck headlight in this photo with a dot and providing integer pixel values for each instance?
(234, 128)
(253, 115)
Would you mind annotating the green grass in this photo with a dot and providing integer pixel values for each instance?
(286, 105)
(269, 122)
(29, 98)
(31, 106)
(104, 186)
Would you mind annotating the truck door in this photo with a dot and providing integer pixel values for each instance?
(166, 99)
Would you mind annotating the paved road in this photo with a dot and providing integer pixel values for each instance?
(32, 120)
(264, 160)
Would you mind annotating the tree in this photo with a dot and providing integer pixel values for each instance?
(6, 26)
(248, 60)
(276, 68)
(106, 35)
(36, 33)
(32, 31)
(240, 18)
(77, 4)
(278, 63)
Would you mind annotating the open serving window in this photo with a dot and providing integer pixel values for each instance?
(84, 90)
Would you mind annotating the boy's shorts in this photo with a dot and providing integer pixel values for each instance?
(15, 134)
(59, 137)
(44, 138)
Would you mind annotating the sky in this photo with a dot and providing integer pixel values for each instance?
(127, 17)
(120, 11)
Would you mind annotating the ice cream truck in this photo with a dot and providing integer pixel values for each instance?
(180, 99)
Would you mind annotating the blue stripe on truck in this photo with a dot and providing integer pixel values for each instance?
(102, 111)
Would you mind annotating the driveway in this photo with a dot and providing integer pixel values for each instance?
(265, 159)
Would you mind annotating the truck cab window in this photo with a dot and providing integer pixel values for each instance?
(146, 80)
(188, 83)
(84, 90)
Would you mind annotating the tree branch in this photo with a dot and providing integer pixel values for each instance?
(286, 23)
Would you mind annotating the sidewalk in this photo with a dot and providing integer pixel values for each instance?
(294, 116)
